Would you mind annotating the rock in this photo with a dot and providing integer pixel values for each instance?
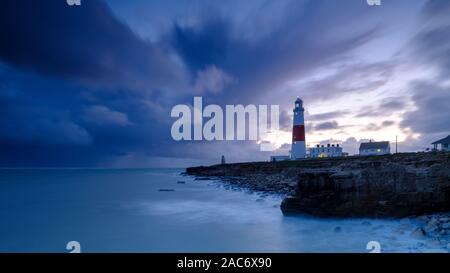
(433, 222)
(399, 232)
(418, 233)
(448, 246)
(432, 225)
(407, 220)
(259, 200)
(443, 232)
(366, 223)
(405, 226)
(444, 219)
(181, 182)
(423, 218)
(435, 243)
(202, 178)
(446, 226)
(337, 229)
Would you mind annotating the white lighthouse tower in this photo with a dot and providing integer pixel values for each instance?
(298, 150)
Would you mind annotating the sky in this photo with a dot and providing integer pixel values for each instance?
(93, 85)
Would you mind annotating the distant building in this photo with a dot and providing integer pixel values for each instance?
(444, 144)
(276, 158)
(331, 150)
(375, 148)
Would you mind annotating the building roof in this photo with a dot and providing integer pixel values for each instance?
(374, 145)
(443, 141)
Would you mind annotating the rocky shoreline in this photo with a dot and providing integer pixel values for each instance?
(411, 185)
(435, 227)
(377, 186)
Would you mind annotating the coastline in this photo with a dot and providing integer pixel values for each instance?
(401, 186)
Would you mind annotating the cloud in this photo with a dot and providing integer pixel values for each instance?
(44, 130)
(285, 121)
(261, 64)
(386, 107)
(387, 123)
(436, 7)
(431, 44)
(72, 78)
(375, 127)
(86, 44)
(372, 127)
(60, 131)
(212, 79)
(102, 115)
(347, 78)
(432, 110)
(329, 125)
(327, 115)
(431, 48)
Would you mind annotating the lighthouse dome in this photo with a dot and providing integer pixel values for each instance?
(298, 104)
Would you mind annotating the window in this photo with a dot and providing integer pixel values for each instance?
(379, 150)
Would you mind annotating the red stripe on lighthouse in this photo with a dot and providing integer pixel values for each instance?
(298, 133)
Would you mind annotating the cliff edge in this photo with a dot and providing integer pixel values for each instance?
(383, 186)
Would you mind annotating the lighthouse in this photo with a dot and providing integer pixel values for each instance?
(298, 150)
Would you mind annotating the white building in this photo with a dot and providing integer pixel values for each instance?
(277, 158)
(330, 150)
(375, 148)
(298, 150)
(444, 143)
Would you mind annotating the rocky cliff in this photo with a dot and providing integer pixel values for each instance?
(390, 185)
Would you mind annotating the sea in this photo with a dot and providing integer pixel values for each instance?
(162, 210)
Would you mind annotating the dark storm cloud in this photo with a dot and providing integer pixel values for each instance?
(433, 112)
(32, 112)
(84, 43)
(348, 78)
(103, 115)
(431, 46)
(71, 80)
(435, 8)
(297, 45)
